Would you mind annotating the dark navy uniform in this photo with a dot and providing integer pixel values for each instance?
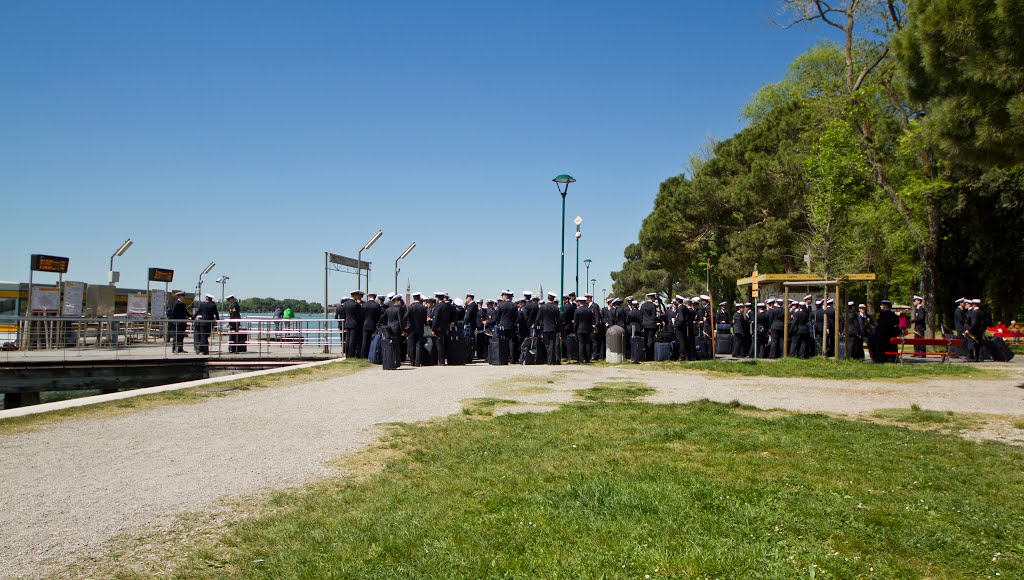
(919, 321)
(415, 322)
(351, 313)
(443, 317)
(583, 324)
(206, 313)
(178, 313)
(550, 321)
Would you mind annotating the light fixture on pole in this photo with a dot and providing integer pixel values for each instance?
(199, 287)
(223, 280)
(562, 182)
(112, 276)
(593, 285)
(578, 221)
(587, 277)
(359, 260)
(404, 254)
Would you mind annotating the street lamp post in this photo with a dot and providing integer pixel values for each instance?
(562, 183)
(111, 277)
(199, 287)
(578, 221)
(359, 261)
(593, 285)
(587, 277)
(404, 254)
(223, 280)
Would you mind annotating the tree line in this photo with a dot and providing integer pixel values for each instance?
(268, 305)
(897, 150)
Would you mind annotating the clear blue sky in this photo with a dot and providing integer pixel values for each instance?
(260, 134)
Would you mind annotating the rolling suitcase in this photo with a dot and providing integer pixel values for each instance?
(497, 351)
(532, 351)
(636, 349)
(374, 354)
(389, 354)
(458, 350)
(428, 353)
(662, 351)
(723, 344)
(572, 347)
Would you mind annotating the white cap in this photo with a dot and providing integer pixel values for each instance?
(976, 301)
(861, 306)
(916, 297)
(210, 297)
(508, 292)
(808, 297)
(527, 293)
(695, 300)
(705, 297)
(230, 296)
(680, 298)
(817, 302)
(416, 295)
(552, 295)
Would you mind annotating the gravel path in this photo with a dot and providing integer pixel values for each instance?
(70, 487)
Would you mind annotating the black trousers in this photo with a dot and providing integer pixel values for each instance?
(415, 349)
(364, 345)
(919, 333)
(583, 348)
(551, 347)
(441, 343)
(353, 342)
(737, 345)
(649, 343)
(178, 336)
(599, 346)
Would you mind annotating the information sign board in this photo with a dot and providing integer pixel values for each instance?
(44, 263)
(45, 299)
(161, 275)
(158, 300)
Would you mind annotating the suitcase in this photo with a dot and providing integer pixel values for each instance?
(389, 354)
(999, 350)
(375, 348)
(458, 350)
(428, 353)
(531, 350)
(572, 346)
(664, 335)
(497, 352)
(662, 351)
(636, 349)
(723, 344)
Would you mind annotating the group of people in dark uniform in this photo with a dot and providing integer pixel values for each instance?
(202, 324)
(577, 327)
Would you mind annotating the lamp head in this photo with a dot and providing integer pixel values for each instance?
(578, 220)
(372, 240)
(587, 261)
(124, 247)
(208, 268)
(407, 250)
(562, 182)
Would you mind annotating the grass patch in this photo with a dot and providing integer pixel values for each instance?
(916, 416)
(635, 490)
(1019, 424)
(484, 406)
(522, 385)
(181, 396)
(1017, 348)
(615, 391)
(826, 369)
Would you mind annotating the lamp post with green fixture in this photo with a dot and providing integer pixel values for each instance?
(562, 182)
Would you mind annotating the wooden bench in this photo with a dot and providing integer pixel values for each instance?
(903, 341)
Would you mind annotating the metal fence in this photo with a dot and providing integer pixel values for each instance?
(54, 338)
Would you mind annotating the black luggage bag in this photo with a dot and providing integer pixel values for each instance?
(532, 347)
(497, 351)
(458, 350)
(389, 354)
(723, 343)
(572, 347)
(999, 350)
(636, 349)
(662, 351)
(428, 352)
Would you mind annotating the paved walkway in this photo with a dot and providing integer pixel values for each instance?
(72, 486)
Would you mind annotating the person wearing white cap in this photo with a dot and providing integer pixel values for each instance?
(505, 322)
(236, 340)
(531, 310)
(550, 323)
(415, 325)
(740, 332)
(372, 313)
(206, 313)
(976, 324)
(960, 323)
(919, 321)
(854, 333)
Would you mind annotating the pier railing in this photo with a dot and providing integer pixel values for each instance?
(52, 337)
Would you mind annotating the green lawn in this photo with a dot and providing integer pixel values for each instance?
(633, 490)
(827, 369)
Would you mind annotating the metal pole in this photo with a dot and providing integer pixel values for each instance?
(561, 287)
(396, 275)
(327, 337)
(577, 261)
(359, 270)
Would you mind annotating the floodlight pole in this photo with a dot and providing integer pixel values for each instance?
(562, 182)
(404, 254)
(199, 287)
(587, 277)
(359, 261)
(578, 221)
(117, 253)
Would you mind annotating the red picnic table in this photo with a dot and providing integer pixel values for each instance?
(903, 341)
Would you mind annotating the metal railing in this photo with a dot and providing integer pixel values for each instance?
(55, 338)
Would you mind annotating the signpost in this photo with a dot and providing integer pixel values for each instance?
(753, 297)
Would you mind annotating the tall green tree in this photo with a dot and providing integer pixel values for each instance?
(965, 59)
